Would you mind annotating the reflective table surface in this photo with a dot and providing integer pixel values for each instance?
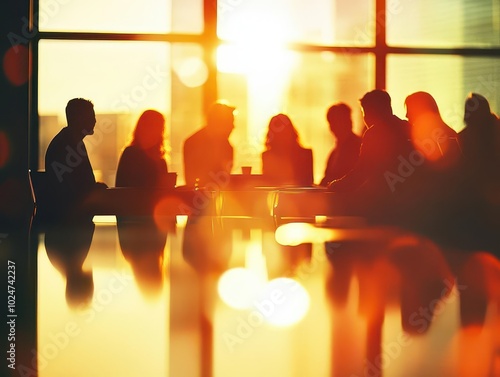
(252, 296)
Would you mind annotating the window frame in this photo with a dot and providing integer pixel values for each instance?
(209, 41)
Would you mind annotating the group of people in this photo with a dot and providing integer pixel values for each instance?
(393, 160)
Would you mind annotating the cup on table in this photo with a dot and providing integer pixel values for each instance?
(171, 179)
(246, 170)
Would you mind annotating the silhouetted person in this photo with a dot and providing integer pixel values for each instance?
(480, 140)
(208, 153)
(67, 245)
(430, 135)
(285, 161)
(345, 154)
(382, 185)
(384, 145)
(142, 163)
(70, 177)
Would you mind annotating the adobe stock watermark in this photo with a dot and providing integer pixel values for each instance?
(48, 9)
(58, 341)
(421, 320)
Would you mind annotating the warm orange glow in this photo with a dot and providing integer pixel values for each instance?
(192, 72)
(165, 211)
(16, 65)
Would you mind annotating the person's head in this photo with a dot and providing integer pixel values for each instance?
(477, 111)
(418, 104)
(80, 116)
(281, 134)
(339, 119)
(220, 119)
(149, 131)
(376, 107)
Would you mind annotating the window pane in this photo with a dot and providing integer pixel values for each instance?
(314, 21)
(302, 85)
(130, 16)
(121, 88)
(445, 23)
(448, 78)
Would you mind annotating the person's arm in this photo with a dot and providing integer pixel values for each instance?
(362, 169)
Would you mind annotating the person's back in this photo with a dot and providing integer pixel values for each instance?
(142, 163)
(208, 153)
(293, 168)
(384, 145)
(344, 156)
(285, 161)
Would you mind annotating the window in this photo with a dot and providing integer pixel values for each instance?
(296, 57)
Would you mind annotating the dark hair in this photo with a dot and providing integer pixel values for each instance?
(281, 133)
(149, 130)
(76, 107)
(422, 102)
(338, 110)
(477, 110)
(377, 100)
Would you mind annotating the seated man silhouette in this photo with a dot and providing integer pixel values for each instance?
(345, 154)
(70, 177)
(285, 161)
(208, 155)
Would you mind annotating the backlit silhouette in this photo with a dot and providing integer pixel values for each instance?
(207, 153)
(430, 135)
(285, 161)
(70, 176)
(480, 140)
(142, 163)
(345, 154)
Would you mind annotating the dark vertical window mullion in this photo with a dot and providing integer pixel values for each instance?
(210, 42)
(380, 44)
(33, 122)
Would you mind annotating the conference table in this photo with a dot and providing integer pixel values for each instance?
(250, 281)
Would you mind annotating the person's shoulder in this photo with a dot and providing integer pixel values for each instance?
(195, 137)
(61, 140)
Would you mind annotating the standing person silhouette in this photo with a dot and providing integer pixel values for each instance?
(208, 155)
(142, 163)
(70, 177)
(285, 161)
(345, 154)
(480, 140)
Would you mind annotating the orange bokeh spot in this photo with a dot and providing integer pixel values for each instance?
(16, 65)
(164, 213)
(4, 149)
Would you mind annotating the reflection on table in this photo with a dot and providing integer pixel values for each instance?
(280, 288)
